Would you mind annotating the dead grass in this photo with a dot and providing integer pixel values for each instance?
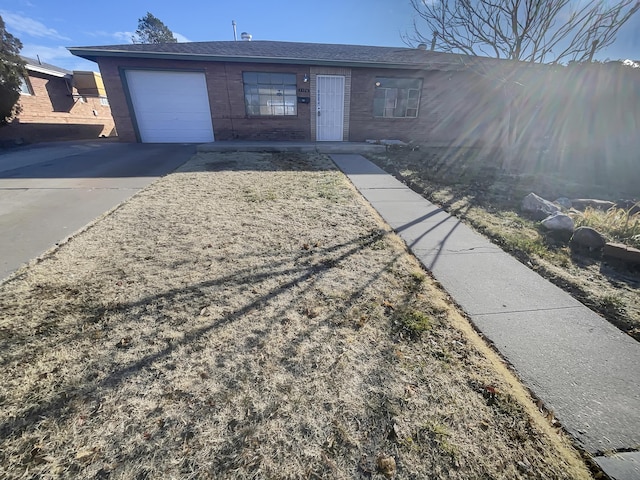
(617, 224)
(251, 317)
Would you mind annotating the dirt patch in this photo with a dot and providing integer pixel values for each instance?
(251, 317)
(469, 185)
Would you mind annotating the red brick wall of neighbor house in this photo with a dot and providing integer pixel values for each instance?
(51, 113)
(226, 99)
(454, 107)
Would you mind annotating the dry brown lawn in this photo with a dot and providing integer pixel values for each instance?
(250, 316)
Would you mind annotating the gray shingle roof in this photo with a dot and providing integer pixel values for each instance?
(279, 52)
(45, 66)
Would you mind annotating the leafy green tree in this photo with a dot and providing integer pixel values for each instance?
(152, 30)
(12, 71)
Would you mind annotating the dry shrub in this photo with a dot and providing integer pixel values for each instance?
(616, 223)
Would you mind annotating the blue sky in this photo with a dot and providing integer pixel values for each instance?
(46, 27)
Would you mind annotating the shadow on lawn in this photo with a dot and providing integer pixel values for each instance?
(61, 406)
(55, 407)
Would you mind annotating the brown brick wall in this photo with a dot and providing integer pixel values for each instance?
(228, 113)
(51, 113)
(453, 106)
(230, 120)
(117, 99)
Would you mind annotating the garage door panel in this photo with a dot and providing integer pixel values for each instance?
(179, 110)
(170, 106)
(171, 103)
(170, 136)
(158, 119)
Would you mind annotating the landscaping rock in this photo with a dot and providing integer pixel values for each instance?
(538, 207)
(587, 237)
(387, 465)
(559, 223)
(622, 252)
(583, 203)
(564, 202)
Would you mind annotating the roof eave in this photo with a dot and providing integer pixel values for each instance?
(93, 55)
(46, 71)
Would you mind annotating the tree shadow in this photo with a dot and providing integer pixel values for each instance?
(56, 406)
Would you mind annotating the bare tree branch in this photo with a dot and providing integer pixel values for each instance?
(541, 31)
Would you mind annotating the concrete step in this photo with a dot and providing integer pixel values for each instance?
(297, 147)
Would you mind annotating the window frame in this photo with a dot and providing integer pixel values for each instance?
(407, 90)
(25, 84)
(260, 89)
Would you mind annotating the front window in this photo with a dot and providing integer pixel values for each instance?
(397, 97)
(25, 88)
(270, 93)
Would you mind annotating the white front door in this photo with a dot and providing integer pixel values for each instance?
(170, 106)
(329, 108)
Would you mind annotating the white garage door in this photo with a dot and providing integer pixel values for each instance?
(170, 106)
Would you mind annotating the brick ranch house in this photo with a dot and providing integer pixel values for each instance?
(59, 104)
(267, 90)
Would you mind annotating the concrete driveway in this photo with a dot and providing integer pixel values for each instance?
(48, 192)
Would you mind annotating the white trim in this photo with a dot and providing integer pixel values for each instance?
(346, 72)
(330, 100)
(25, 82)
(170, 106)
(53, 73)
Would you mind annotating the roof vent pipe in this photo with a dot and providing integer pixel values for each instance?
(235, 35)
(246, 36)
(422, 46)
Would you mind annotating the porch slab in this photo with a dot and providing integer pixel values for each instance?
(294, 147)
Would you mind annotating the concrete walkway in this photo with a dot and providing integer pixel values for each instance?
(582, 367)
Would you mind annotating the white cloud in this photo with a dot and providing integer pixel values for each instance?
(46, 54)
(123, 37)
(97, 33)
(25, 25)
(120, 37)
(58, 56)
(181, 38)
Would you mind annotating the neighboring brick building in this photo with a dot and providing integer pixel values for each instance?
(195, 92)
(58, 104)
